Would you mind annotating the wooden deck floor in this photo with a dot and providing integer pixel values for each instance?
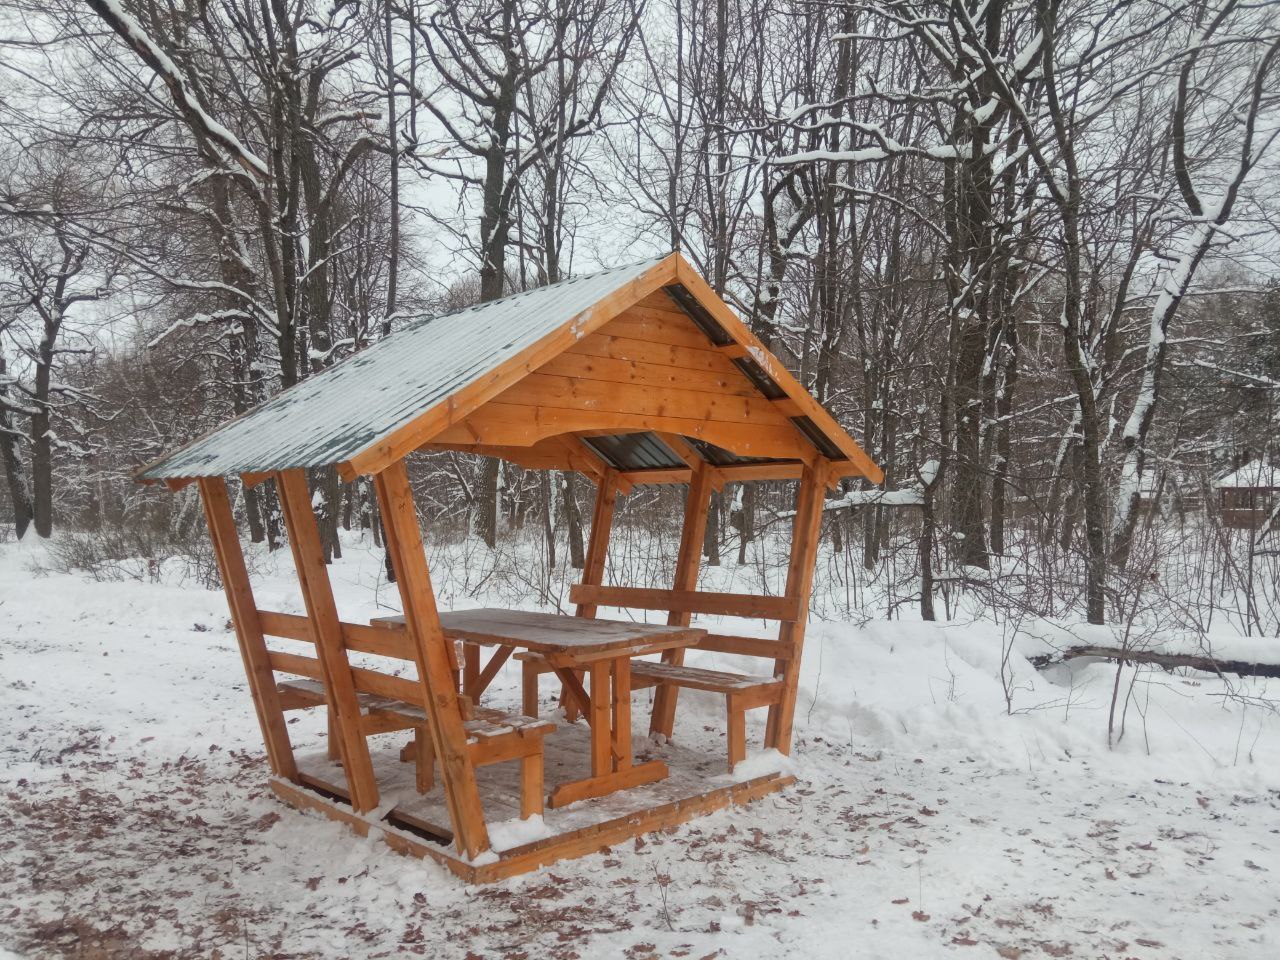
(418, 824)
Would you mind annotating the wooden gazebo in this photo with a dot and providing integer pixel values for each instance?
(1247, 495)
(636, 375)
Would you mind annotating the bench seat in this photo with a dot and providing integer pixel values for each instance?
(696, 678)
(742, 691)
(492, 736)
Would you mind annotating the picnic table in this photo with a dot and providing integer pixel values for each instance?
(572, 646)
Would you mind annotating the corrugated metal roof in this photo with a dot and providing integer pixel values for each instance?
(634, 451)
(342, 411)
(720, 457)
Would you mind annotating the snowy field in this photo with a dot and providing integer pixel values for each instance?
(939, 811)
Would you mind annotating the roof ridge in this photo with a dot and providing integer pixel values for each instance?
(530, 290)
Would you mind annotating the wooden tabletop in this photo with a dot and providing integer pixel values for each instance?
(550, 633)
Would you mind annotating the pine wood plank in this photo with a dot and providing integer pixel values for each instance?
(750, 606)
(435, 667)
(804, 552)
(556, 634)
(594, 838)
(248, 627)
(688, 560)
(657, 326)
(598, 539)
(381, 642)
(581, 393)
(508, 424)
(704, 359)
(326, 628)
(607, 783)
(463, 402)
(730, 382)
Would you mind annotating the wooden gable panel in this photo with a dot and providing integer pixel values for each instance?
(576, 392)
(713, 378)
(657, 326)
(646, 351)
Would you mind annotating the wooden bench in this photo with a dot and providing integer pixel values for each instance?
(742, 691)
(492, 736)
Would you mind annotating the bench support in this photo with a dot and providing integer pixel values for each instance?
(326, 631)
(689, 558)
(804, 554)
(432, 658)
(248, 626)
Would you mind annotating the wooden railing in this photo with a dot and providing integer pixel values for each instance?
(750, 606)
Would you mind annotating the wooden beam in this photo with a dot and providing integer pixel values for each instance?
(382, 641)
(326, 629)
(698, 287)
(702, 361)
(750, 606)
(462, 403)
(249, 633)
(598, 542)
(594, 838)
(642, 477)
(745, 473)
(435, 671)
(509, 424)
(688, 560)
(726, 381)
(553, 453)
(692, 458)
(578, 393)
(804, 554)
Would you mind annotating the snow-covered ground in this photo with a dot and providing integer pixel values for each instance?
(939, 809)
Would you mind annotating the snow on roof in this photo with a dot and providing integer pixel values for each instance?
(1252, 474)
(336, 414)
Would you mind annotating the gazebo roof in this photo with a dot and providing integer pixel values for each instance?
(419, 387)
(1254, 474)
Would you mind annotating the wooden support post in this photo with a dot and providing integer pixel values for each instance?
(529, 688)
(531, 785)
(331, 748)
(688, 559)
(471, 669)
(425, 760)
(244, 617)
(431, 651)
(594, 562)
(326, 631)
(621, 705)
(804, 554)
(601, 707)
(737, 731)
(598, 544)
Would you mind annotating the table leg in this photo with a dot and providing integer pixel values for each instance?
(621, 746)
(609, 710)
(601, 732)
(470, 667)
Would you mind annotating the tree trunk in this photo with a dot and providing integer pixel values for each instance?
(573, 517)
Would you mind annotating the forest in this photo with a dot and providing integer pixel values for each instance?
(1018, 700)
(1025, 252)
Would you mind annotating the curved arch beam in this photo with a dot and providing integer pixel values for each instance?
(512, 425)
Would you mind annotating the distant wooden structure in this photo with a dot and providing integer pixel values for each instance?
(1248, 495)
(635, 375)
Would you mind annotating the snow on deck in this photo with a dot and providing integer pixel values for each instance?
(928, 819)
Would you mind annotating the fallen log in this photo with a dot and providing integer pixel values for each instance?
(1168, 661)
